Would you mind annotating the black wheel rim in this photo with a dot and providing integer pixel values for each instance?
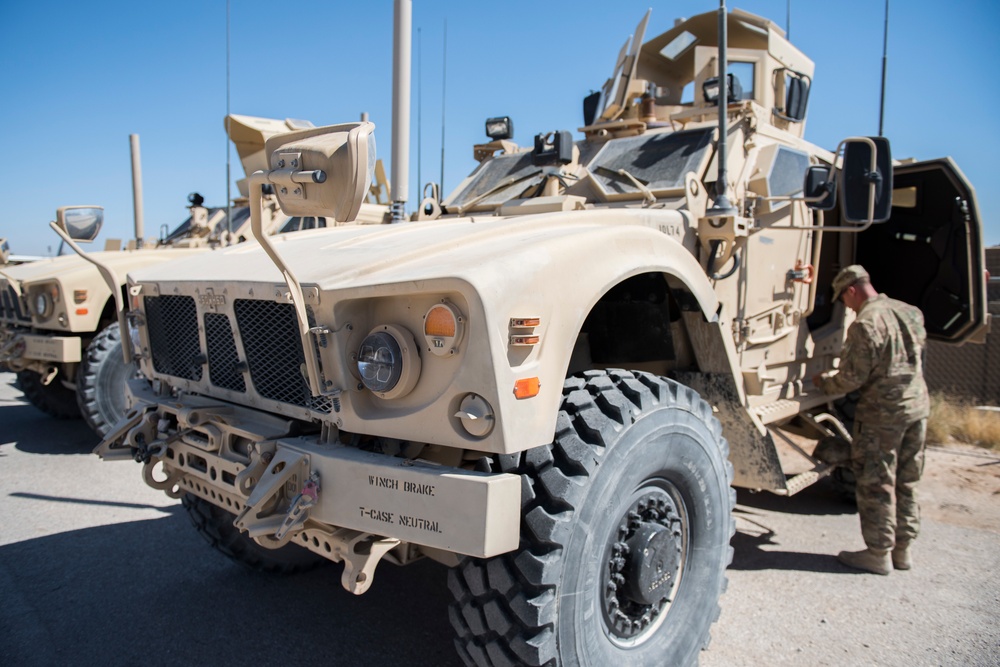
(645, 558)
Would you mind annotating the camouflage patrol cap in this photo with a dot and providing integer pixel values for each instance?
(847, 277)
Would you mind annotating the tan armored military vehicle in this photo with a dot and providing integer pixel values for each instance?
(58, 328)
(553, 380)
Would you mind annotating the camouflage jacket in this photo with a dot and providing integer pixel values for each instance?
(882, 358)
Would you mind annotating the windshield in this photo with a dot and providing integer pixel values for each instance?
(516, 170)
(658, 161)
(183, 230)
(296, 224)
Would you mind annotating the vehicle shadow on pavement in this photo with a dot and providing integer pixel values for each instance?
(820, 499)
(152, 592)
(756, 543)
(751, 553)
(34, 432)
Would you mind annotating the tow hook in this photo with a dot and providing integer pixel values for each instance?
(299, 509)
(282, 469)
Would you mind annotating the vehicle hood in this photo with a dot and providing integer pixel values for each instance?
(69, 267)
(355, 257)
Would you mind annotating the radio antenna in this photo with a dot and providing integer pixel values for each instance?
(420, 109)
(444, 83)
(229, 199)
(885, 57)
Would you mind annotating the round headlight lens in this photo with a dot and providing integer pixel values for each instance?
(43, 304)
(380, 362)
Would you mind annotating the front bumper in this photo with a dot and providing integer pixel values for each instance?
(292, 489)
(21, 350)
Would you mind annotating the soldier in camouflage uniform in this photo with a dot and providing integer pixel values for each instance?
(882, 359)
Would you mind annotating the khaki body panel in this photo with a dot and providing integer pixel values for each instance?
(72, 274)
(353, 274)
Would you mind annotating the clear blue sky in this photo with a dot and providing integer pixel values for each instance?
(79, 77)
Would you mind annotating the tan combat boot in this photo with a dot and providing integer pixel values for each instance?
(901, 558)
(869, 560)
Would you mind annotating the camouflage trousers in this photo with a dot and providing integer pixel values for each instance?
(888, 461)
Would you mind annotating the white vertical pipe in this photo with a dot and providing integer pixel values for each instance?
(402, 20)
(137, 190)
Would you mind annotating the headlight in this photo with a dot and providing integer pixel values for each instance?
(43, 305)
(388, 362)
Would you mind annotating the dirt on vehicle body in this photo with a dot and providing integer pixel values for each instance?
(553, 379)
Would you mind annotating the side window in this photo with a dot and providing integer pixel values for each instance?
(292, 225)
(745, 73)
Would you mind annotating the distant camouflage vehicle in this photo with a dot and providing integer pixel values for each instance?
(551, 382)
(58, 329)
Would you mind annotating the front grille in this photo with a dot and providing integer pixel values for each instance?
(11, 307)
(173, 336)
(270, 334)
(222, 356)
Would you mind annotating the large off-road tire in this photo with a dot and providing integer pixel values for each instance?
(216, 526)
(54, 399)
(101, 381)
(626, 522)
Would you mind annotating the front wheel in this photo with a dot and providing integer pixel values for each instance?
(626, 523)
(100, 384)
(215, 525)
(54, 398)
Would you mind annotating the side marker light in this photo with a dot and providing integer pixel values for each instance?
(526, 388)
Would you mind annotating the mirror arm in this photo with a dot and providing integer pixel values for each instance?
(111, 278)
(873, 177)
(258, 179)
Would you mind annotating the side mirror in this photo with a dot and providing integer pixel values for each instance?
(796, 87)
(323, 171)
(819, 189)
(866, 180)
(81, 223)
(797, 99)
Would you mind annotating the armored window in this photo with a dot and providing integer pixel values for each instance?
(659, 162)
(496, 181)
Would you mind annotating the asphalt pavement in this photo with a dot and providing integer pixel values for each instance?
(97, 568)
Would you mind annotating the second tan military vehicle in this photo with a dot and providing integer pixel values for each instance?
(551, 382)
(58, 329)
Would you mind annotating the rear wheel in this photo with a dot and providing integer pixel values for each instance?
(216, 526)
(100, 384)
(54, 399)
(626, 523)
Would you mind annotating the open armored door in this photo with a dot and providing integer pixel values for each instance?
(930, 252)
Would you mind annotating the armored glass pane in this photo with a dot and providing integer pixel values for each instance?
(678, 45)
(659, 161)
(499, 179)
(240, 215)
(745, 73)
(787, 172)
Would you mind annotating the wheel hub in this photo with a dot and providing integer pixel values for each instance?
(652, 563)
(646, 554)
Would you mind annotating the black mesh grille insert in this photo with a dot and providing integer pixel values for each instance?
(270, 335)
(173, 336)
(10, 306)
(222, 355)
